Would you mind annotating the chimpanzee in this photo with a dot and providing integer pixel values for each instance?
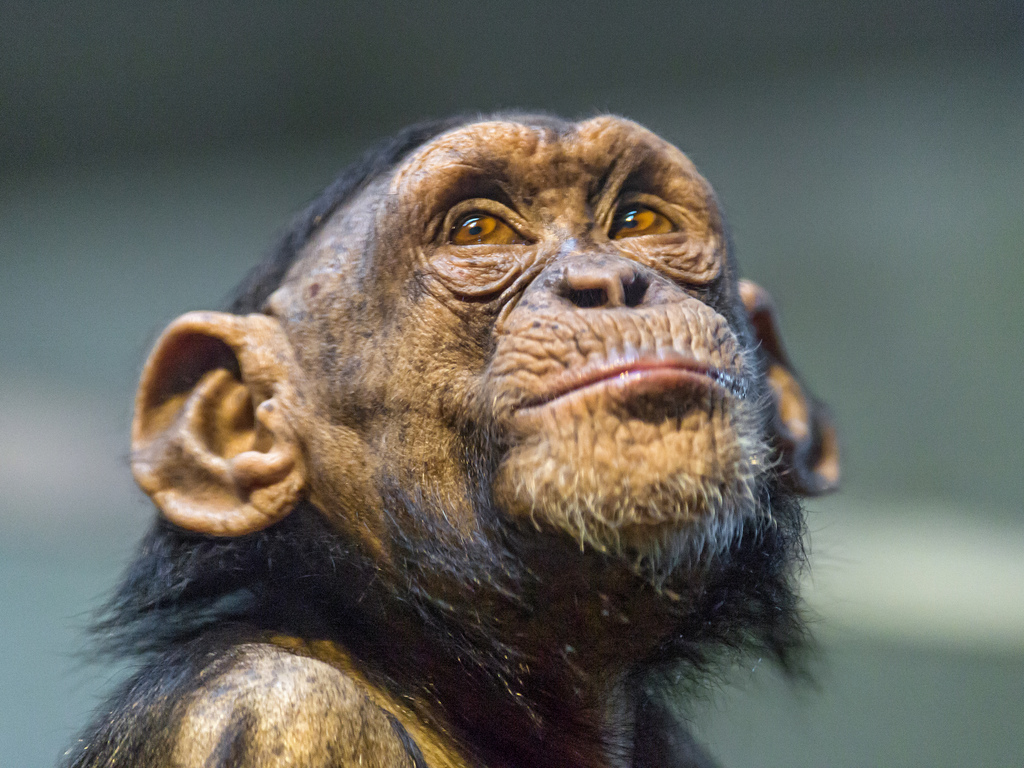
(494, 462)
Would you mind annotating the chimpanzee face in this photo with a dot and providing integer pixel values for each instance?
(566, 291)
(541, 312)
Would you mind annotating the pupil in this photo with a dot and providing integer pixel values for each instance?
(475, 227)
(631, 220)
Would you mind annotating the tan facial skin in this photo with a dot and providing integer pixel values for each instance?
(386, 341)
(391, 352)
(611, 393)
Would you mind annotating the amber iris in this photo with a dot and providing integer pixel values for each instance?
(636, 220)
(483, 229)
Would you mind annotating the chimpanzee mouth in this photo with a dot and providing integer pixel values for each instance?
(644, 376)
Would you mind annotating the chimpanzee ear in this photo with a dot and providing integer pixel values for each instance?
(212, 444)
(804, 426)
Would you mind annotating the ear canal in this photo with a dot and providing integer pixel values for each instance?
(802, 424)
(211, 441)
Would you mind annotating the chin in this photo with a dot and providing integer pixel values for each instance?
(648, 479)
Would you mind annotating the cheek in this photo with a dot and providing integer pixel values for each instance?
(476, 272)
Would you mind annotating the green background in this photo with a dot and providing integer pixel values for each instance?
(869, 157)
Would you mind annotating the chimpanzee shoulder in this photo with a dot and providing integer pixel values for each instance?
(252, 703)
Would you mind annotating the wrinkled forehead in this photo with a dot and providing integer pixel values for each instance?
(539, 154)
(505, 159)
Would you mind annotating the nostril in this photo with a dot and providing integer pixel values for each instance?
(587, 297)
(634, 290)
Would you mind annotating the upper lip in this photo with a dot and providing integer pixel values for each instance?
(664, 360)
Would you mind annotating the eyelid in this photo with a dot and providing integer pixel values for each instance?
(490, 207)
(655, 203)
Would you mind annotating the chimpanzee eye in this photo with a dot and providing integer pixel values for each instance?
(635, 220)
(483, 229)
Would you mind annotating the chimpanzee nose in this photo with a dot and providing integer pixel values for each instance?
(602, 283)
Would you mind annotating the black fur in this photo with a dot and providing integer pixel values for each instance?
(188, 600)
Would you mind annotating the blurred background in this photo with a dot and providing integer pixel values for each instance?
(868, 153)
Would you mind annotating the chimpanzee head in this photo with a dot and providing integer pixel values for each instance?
(512, 330)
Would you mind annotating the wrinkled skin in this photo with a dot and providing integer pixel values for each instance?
(394, 348)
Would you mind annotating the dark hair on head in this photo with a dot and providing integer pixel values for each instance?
(265, 278)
